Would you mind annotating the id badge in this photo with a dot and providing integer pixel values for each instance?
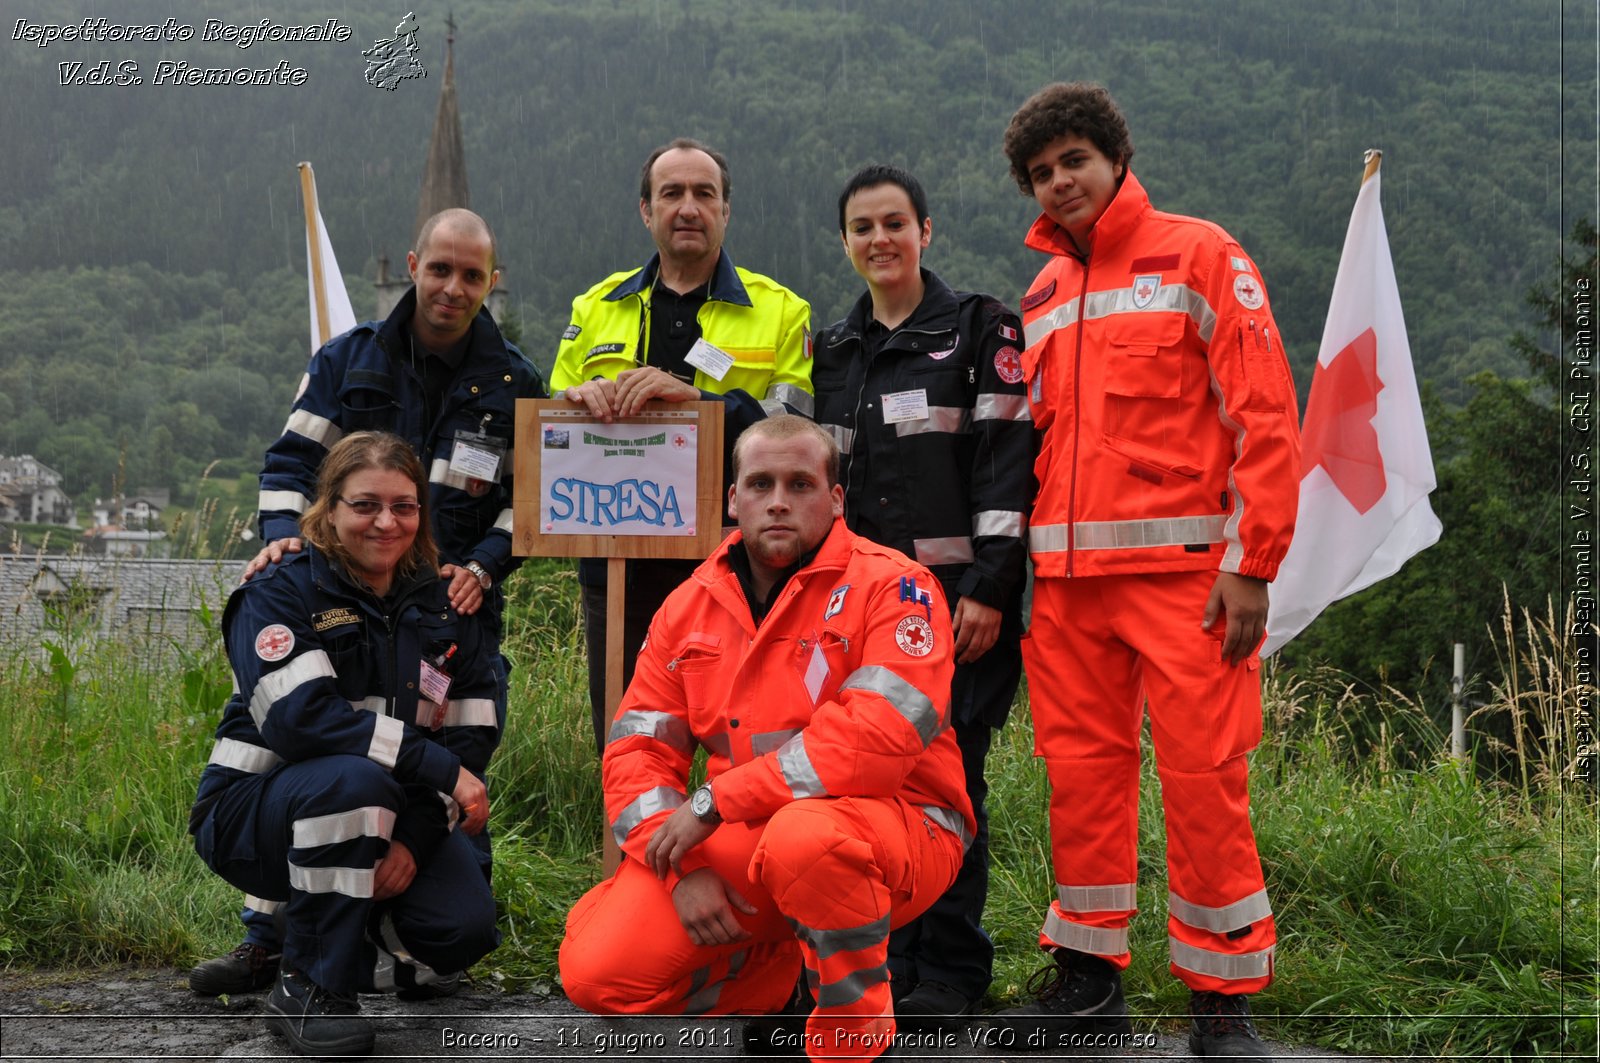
(711, 361)
(477, 456)
(434, 684)
(905, 406)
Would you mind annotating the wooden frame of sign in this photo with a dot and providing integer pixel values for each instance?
(534, 536)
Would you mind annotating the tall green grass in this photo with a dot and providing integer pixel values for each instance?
(1421, 910)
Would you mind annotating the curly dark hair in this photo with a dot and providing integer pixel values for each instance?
(1080, 108)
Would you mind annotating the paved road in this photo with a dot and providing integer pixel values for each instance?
(147, 1014)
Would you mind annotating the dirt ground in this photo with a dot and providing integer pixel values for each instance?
(151, 1014)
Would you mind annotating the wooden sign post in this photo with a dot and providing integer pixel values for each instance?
(648, 486)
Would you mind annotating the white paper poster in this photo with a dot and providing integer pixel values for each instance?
(618, 479)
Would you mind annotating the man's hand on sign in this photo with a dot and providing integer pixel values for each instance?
(598, 396)
(635, 387)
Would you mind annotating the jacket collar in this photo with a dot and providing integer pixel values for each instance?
(939, 310)
(484, 336)
(1123, 214)
(725, 287)
(329, 575)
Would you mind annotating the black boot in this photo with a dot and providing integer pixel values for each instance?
(1077, 995)
(314, 1021)
(1222, 1027)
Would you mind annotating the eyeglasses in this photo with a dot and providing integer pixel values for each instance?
(371, 507)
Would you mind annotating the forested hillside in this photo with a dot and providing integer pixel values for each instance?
(151, 234)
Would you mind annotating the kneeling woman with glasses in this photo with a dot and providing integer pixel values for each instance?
(350, 759)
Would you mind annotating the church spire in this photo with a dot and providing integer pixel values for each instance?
(444, 179)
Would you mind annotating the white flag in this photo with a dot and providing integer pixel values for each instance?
(330, 303)
(1366, 470)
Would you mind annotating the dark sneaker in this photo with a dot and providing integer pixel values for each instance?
(1076, 996)
(783, 1033)
(314, 1021)
(244, 970)
(1222, 1027)
(932, 1006)
(446, 986)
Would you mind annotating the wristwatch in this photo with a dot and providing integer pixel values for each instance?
(704, 806)
(484, 579)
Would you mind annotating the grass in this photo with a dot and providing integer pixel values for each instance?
(1421, 910)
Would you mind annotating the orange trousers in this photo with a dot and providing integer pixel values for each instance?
(829, 878)
(1098, 648)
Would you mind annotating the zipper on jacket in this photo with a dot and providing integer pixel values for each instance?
(1077, 423)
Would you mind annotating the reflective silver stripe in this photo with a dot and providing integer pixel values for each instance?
(997, 406)
(440, 474)
(850, 988)
(844, 437)
(952, 419)
(387, 734)
(846, 939)
(275, 686)
(702, 997)
(999, 522)
(1057, 317)
(378, 705)
(917, 708)
(242, 756)
(1095, 940)
(717, 744)
(293, 501)
(647, 804)
(951, 550)
(1128, 534)
(950, 820)
(369, 821)
(767, 741)
(1233, 552)
(1122, 897)
(383, 973)
(503, 521)
(1220, 920)
(350, 881)
(664, 727)
(1168, 297)
(795, 396)
(389, 936)
(794, 764)
(260, 904)
(1232, 966)
(317, 429)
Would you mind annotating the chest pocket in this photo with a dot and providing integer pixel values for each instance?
(695, 664)
(367, 402)
(1143, 355)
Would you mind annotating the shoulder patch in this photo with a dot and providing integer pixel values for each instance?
(333, 618)
(1247, 290)
(914, 636)
(1008, 363)
(571, 332)
(606, 348)
(274, 643)
(1033, 299)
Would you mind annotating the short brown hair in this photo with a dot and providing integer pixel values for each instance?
(787, 426)
(1079, 108)
(352, 454)
(687, 144)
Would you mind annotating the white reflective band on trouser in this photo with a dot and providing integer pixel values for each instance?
(317, 429)
(440, 474)
(1121, 897)
(950, 820)
(391, 951)
(952, 419)
(992, 406)
(242, 756)
(844, 437)
(275, 686)
(1128, 534)
(999, 522)
(1095, 940)
(797, 397)
(350, 881)
(387, 734)
(702, 997)
(272, 501)
(371, 821)
(794, 764)
(1232, 966)
(260, 904)
(647, 804)
(951, 550)
(1220, 920)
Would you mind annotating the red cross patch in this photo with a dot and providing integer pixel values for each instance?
(1008, 363)
(1248, 292)
(914, 635)
(274, 643)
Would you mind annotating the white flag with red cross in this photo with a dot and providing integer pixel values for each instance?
(1366, 469)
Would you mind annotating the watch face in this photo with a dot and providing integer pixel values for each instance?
(700, 804)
